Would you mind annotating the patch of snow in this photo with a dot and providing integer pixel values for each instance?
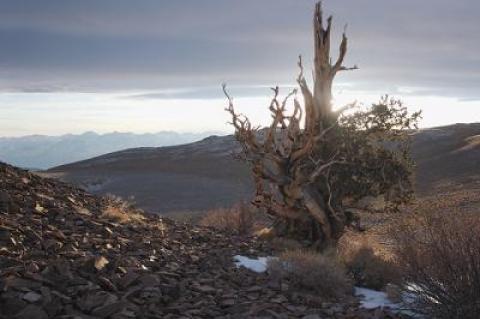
(257, 265)
(371, 299)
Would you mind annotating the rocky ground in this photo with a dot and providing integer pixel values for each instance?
(60, 258)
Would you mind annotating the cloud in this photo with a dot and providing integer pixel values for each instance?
(155, 45)
(207, 93)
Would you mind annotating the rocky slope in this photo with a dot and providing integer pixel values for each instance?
(60, 258)
(191, 177)
(204, 175)
(447, 157)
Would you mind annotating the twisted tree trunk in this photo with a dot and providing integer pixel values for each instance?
(291, 183)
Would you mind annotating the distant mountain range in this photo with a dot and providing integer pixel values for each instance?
(42, 152)
(204, 174)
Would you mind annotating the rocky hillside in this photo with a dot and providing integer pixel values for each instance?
(447, 157)
(184, 178)
(204, 175)
(61, 258)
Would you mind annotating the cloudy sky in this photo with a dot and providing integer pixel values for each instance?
(69, 66)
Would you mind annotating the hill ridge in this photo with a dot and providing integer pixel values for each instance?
(43, 151)
(204, 175)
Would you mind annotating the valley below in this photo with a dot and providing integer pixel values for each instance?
(205, 175)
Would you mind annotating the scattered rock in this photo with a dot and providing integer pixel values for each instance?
(100, 263)
(60, 258)
(32, 311)
(32, 297)
(109, 309)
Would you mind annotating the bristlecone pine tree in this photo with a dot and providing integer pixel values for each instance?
(312, 163)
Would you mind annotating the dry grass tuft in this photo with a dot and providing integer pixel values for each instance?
(240, 219)
(440, 254)
(265, 233)
(122, 211)
(311, 272)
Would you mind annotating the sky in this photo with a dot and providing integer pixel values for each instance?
(69, 66)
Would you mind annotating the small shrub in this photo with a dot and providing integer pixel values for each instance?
(440, 255)
(121, 211)
(239, 219)
(368, 267)
(311, 272)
